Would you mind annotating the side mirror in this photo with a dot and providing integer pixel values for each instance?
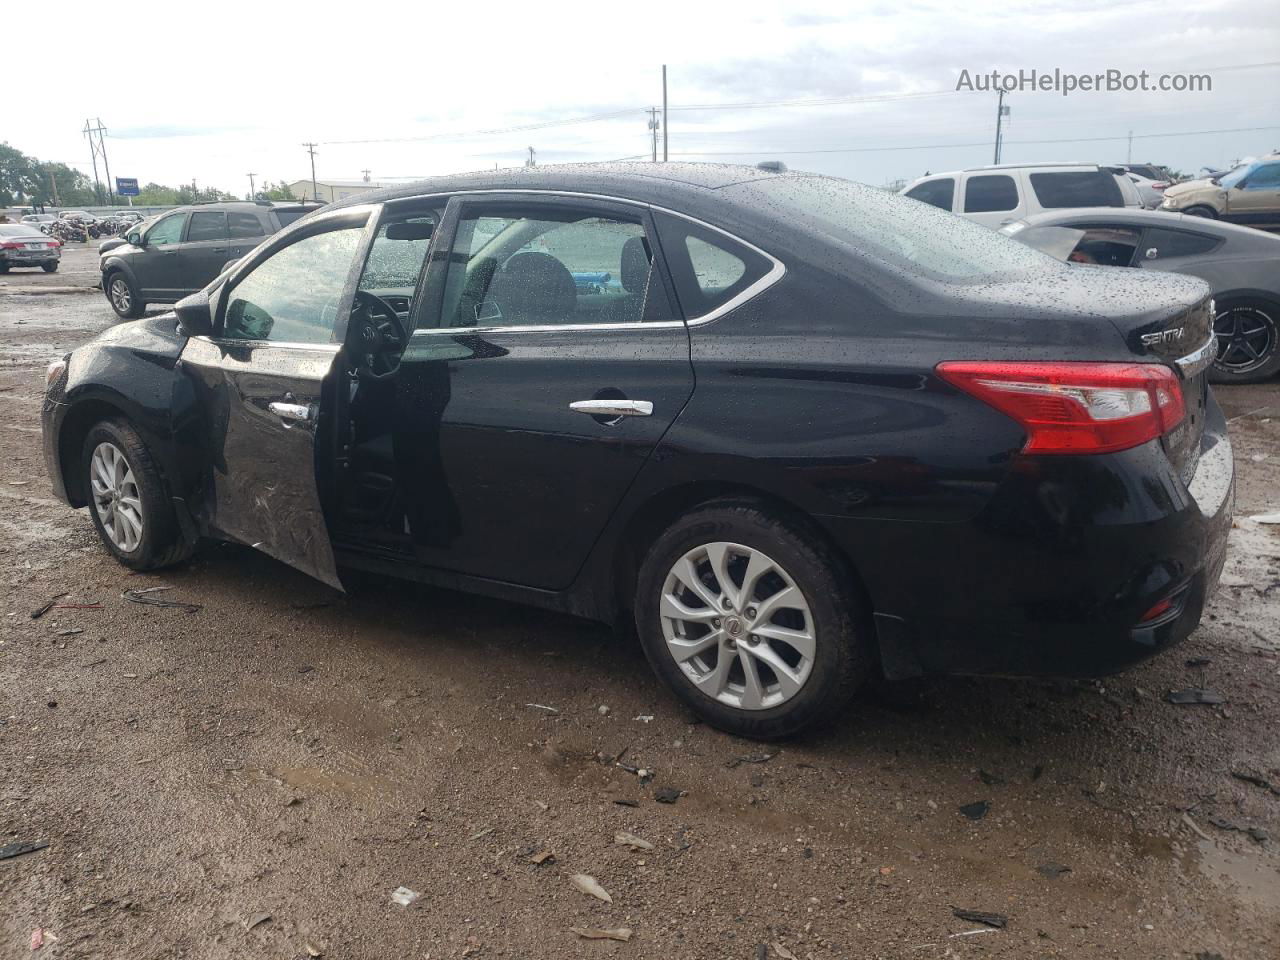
(135, 238)
(195, 316)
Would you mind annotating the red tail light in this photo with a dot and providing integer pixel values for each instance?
(10, 246)
(1074, 407)
(1159, 185)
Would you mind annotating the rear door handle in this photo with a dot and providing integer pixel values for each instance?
(296, 412)
(613, 408)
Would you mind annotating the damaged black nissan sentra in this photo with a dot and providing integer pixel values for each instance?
(797, 431)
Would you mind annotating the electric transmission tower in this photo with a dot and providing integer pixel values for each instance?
(98, 148)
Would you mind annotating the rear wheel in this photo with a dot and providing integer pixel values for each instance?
(127, 501)
(751, 620)
(124, 297)
(1248, 335)
(49, 267)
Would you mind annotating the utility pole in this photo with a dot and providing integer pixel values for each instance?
(533, 158)
(1001, 112)
(664, 113)
(653, 132)
(366, 171)
(1128, 157)
(253, 193)
(53, 184)
(98, 147)
(315, 190)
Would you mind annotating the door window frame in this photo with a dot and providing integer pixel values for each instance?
(365, 216)
(429, 297)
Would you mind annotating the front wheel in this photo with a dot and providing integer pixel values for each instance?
(124, 296)
(752, 620)
(127, 500)
(49, 267)
(1248, 335)
(1202, 211)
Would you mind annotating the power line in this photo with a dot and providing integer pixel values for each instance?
(977, 143)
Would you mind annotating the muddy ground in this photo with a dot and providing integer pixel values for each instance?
(290, 752)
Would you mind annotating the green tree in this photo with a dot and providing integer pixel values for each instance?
(275, 191)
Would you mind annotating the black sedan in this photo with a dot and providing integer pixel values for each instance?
(1240, 264)
(794, 431)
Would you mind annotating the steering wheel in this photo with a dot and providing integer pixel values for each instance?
(377, 336)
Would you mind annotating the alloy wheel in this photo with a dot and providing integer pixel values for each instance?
(116, 499)
(121, 298)
(1246, 337)
(738, 626)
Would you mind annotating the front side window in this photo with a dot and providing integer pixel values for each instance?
(1077, 188)
(396, 258)
(938, 193)
(167, 230)
(540, 266)
(207, 225)
(293, 295)
(990, 194)
(1264, 177)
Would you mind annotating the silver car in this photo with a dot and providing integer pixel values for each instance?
(22, 245)
(1240, 263)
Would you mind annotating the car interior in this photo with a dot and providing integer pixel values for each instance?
(1107, 246)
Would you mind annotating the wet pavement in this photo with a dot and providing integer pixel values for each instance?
(293, 752)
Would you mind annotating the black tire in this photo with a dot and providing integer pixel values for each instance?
(125, 301)
(161, 543)
(1202, 211)
(4, 268)
(49, 267)
(843, 656)
(1248, 330)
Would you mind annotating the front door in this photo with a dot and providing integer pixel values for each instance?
(159, 267)
(1258, 200)
(264, 382)
(204, 251)
(547, 363)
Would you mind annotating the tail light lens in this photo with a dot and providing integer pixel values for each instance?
(10, 246)
(1076, 407)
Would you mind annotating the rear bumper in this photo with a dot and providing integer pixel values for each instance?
(1055, 576)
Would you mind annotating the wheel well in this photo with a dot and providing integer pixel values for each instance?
(651, 520)
(79, 421)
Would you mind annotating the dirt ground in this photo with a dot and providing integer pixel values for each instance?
(255, 779)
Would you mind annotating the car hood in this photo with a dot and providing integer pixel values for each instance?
(115, 243)
(1189, 187)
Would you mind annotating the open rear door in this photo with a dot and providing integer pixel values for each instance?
(261, 382)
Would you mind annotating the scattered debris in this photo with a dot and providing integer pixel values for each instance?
(1266, 517)
(541, 857)
(41, 611)
(603, 710)
(644, 718)
(542, 706)
(762, 951)
(1195, 695)
(145, 598)
(71, 632)
(1256, 834)
(1256, 780)
(1199, 662)
(305, 668)
(632, 841)
(590, 887)
(593, 933)
(1195, 827)
(11, 850)
(667, 794)
(404, 896)
(753, 758)
(483, 833)
(975, 811)
(256, 920)
(544, 807)
(969, 933)
(1052, 870)
(626, 802)
(783, 952)
(997, 920)
(990, 779)
(40, 937)
(313, 951)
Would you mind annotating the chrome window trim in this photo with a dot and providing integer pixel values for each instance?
(225, 342)
(1197, 361)
(775, 273)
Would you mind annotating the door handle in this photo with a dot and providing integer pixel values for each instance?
(296, 412)
(613, 408)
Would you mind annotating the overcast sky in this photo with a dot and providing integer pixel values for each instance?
(214, 91)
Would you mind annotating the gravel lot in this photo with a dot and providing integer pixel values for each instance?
(292, 753)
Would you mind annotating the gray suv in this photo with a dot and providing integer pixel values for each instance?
(179, 252)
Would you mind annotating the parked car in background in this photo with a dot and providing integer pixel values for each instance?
(180, 251)
(1241, 265)
(1151, 191)
(80, 216)
(994, 196)
(22, 245)
(1151, 171)
(805, 432)
(1249, 194)
(40, 221)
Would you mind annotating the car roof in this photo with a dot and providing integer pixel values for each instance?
(1127, 216)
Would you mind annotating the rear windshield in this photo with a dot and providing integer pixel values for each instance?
(1077, 188)
(898, 231)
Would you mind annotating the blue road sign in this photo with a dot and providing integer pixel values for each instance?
(127, 186)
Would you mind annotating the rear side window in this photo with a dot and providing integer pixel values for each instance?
(1178, 243)
(1076, 188)
(287, 217)
(244, 225)
(207, 225)
(709, 268)
(990, 194)
(938, 193)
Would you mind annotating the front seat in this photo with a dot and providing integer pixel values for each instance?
(533, 288)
